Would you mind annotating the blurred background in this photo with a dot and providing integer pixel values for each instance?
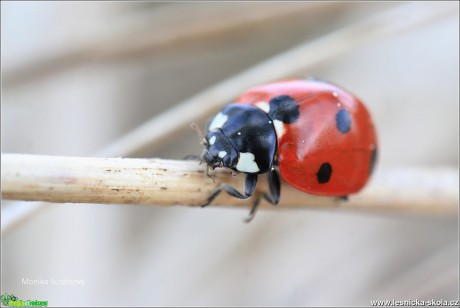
(77, 76)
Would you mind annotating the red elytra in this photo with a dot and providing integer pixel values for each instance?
(331, 149)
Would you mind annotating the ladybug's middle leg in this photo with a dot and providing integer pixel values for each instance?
(275, 188)
(250, 186)
(273, 197)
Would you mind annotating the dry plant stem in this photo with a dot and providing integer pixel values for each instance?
(170, 182)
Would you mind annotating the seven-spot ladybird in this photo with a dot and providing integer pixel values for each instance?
(320, 136)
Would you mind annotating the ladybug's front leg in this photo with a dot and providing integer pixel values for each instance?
(250, 186)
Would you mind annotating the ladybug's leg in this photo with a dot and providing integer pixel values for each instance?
(250, 185)
(273, 197)
(274, 184)
(192, 157)
(253, 211)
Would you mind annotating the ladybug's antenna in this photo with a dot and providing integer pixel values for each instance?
(198, 130)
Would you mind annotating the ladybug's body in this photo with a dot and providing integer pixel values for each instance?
(321, 137)
(330, 148)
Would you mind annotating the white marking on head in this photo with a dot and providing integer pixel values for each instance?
(335, 94)
(212, 140)
(264, 106)
(222, 154)
(218, 121)
(279, 128)
(239, 133)
(246, 163)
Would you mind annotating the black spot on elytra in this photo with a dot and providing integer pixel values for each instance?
(373, 160)
(343, 121)
(324, 173)
(284, 109)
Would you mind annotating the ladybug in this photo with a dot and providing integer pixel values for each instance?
(319, 136)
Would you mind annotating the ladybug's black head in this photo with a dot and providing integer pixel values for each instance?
(219, 152)
(242, 138)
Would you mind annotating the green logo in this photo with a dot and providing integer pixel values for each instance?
(7, 298)
(10, 300)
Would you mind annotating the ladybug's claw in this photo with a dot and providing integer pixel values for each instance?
(209, 175)
(206, 204)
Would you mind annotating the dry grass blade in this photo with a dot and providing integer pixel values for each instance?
(160, 130)
(171, 19)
